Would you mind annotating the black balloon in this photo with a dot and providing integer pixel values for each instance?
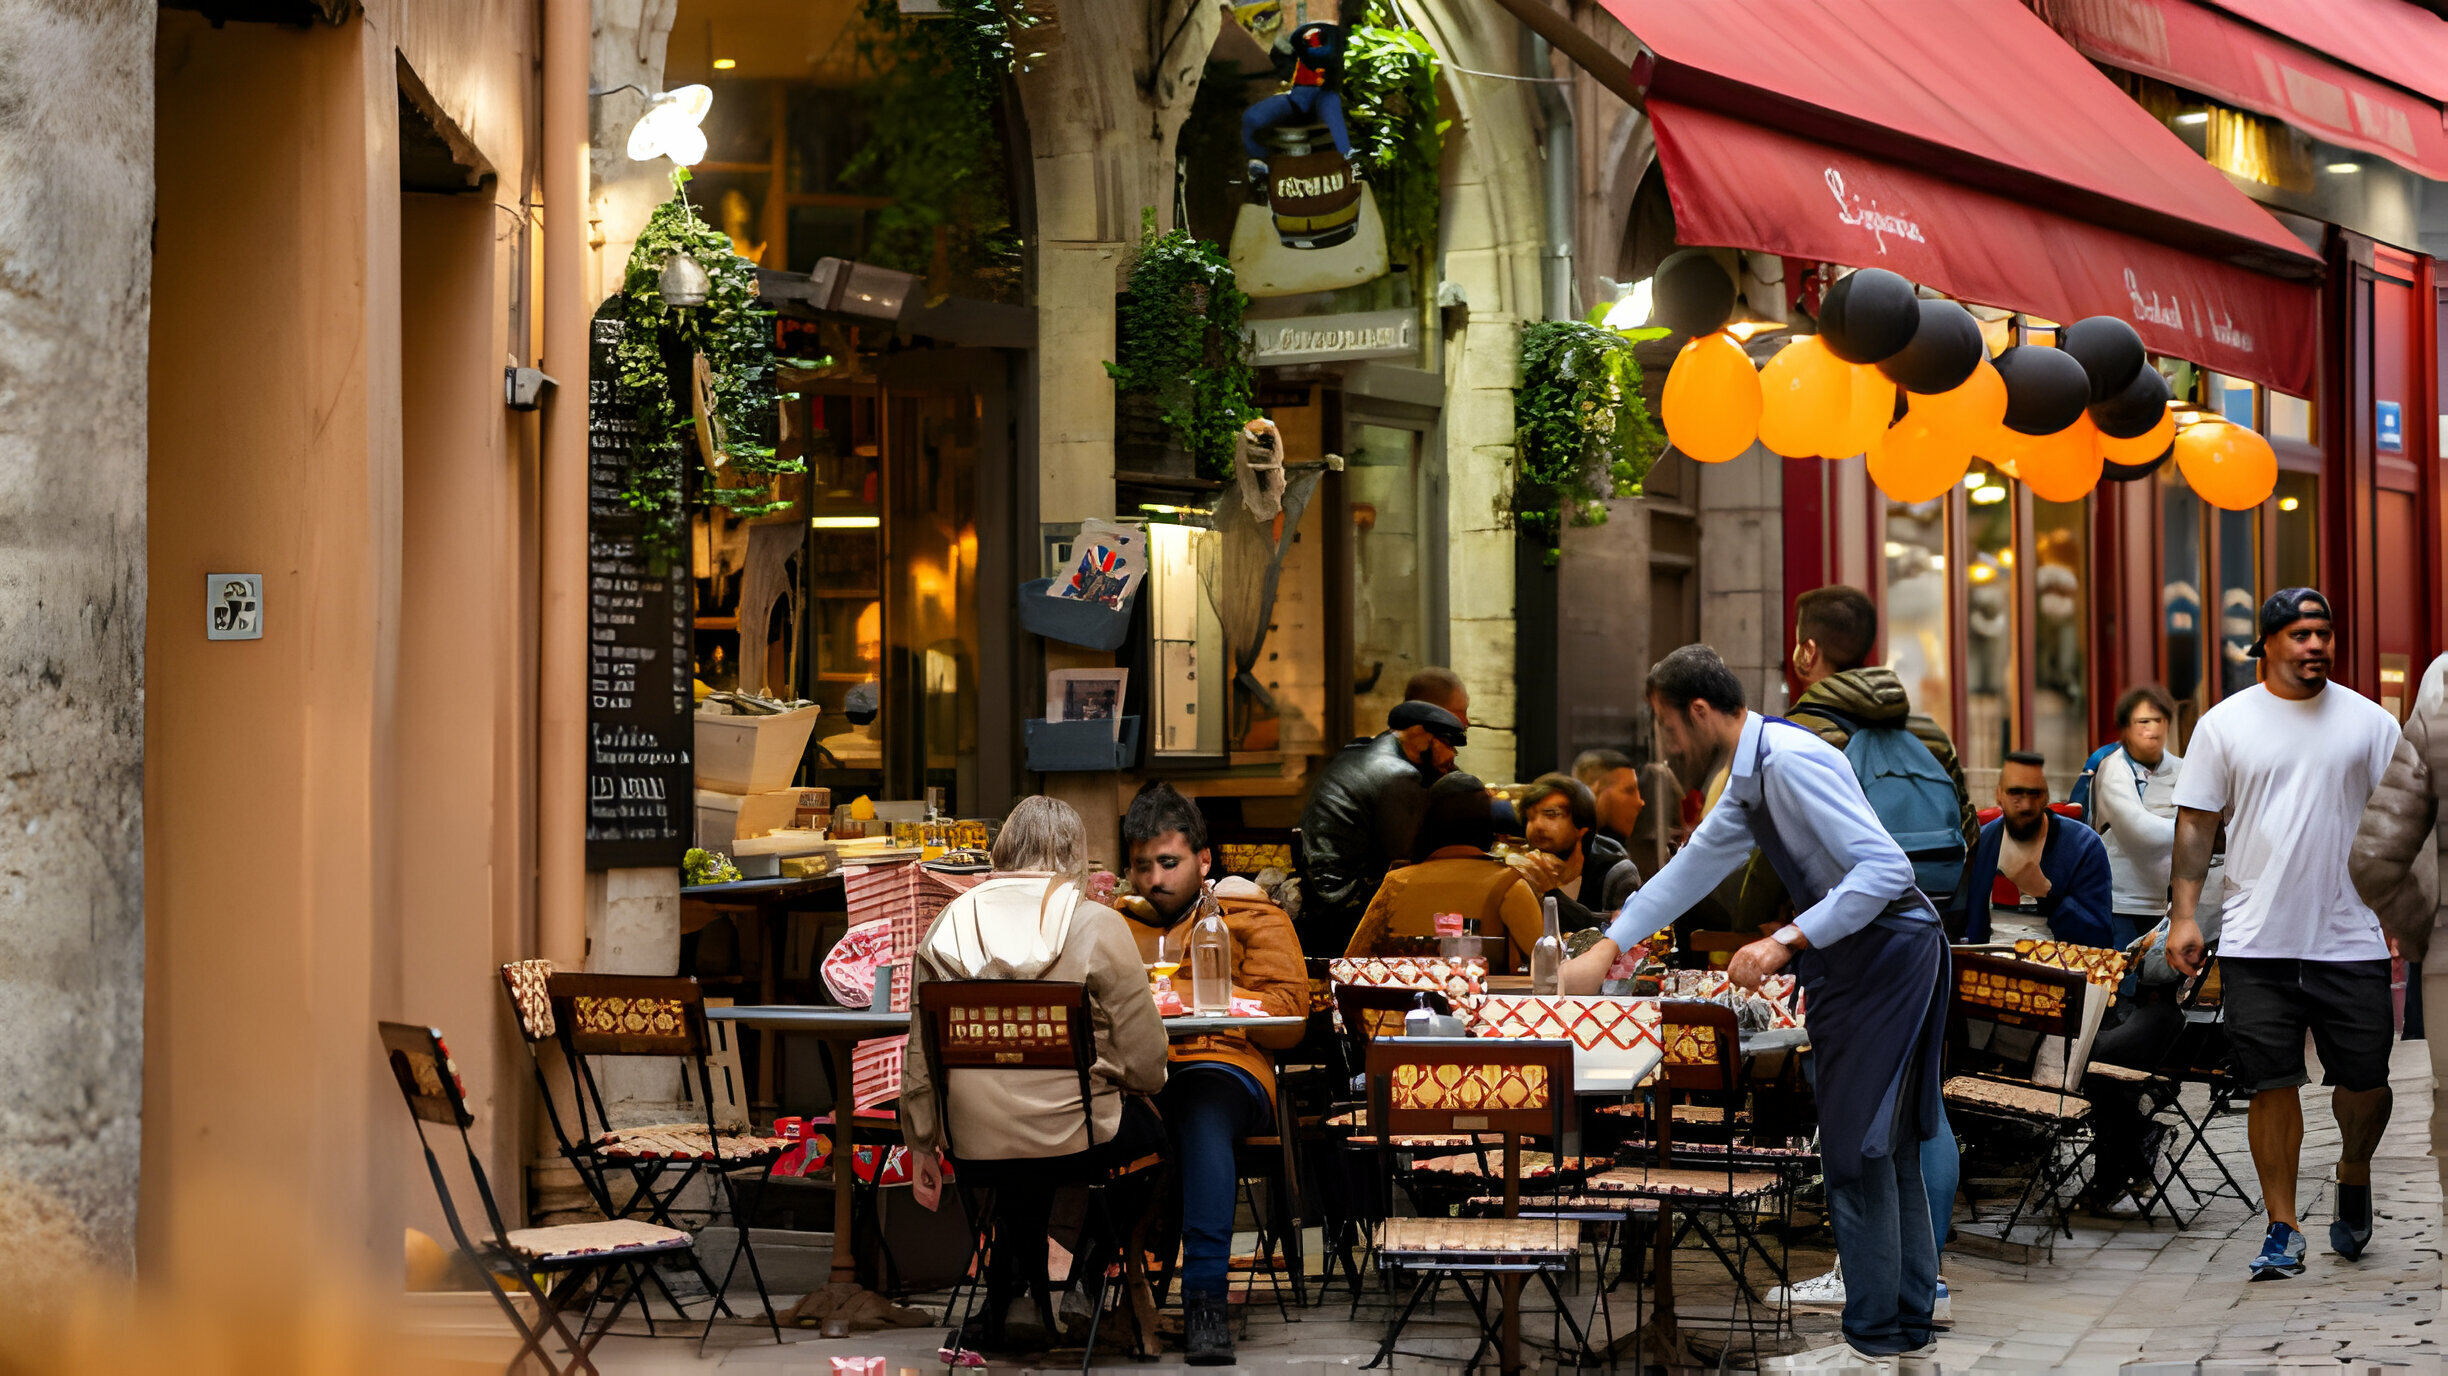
(1869, 316)
(1945, 349)
(2130, 414)
(2108, 350)
(1693, 293)
(2133, 472)
(2046, 389)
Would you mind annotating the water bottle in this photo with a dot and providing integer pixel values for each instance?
(1210, 962)
(1547, 957)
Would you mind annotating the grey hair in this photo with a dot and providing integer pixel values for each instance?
(1046, 835)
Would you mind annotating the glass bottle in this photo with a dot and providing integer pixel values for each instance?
(1547, 957)
(1210, 960)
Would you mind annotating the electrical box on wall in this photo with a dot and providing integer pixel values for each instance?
(1189, 672)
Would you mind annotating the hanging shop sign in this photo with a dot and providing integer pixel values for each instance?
(1335, 338)
(1312, 224)
(640, 796)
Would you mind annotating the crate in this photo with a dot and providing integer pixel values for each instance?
(752, 754)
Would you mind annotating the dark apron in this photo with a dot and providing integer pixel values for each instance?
(1876, 1009)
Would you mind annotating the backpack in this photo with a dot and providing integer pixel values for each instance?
(2081, 795)
(1913, 797)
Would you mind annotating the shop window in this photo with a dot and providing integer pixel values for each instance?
(2180, 597)
(1919, 599)
(2290, 418)
(2296, 555)
(2061, 598)
(2239, 603)
(1389, 593)
(1990, 670)
(931, 584)
(2230, 397)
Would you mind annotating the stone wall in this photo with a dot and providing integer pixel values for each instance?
(76, 210)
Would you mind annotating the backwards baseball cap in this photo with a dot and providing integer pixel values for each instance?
(1443, 725)
(2286, 607)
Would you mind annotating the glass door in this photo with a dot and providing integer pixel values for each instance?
(1397, 513)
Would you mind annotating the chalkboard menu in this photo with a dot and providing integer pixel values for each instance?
(641, 800)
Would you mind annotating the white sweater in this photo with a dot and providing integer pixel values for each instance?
(2140, 828)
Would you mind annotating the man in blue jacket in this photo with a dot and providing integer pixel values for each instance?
(2059, 865)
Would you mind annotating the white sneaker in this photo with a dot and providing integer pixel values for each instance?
(1818, 1290)
(1921, 1361)
(1840, 1357)
(1942, 1309)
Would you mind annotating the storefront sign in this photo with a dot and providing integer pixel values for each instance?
(2388, 435)
(1326, 338)
(641, 800)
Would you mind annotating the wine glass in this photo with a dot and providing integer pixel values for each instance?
(1168, 959)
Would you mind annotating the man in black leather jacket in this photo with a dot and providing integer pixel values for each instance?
(1364, 806)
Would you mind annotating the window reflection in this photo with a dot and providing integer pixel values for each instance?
(1989, 639)
(1917, 606)
(2061, 592)
(1389, 627)
(2297, 562)
(2180, 596)
(2239, 605)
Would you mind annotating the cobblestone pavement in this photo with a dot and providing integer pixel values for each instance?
(2118, 1295)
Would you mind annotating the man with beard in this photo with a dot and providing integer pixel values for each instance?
(1614, 783)
(1364, 807)
(1569, 858)
(1868, 949)
(2290, 763)
(1222, 1088)
(2059, 866)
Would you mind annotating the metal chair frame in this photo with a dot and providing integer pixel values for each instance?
(421, 1064)
(988, 1045)
(1343, 1231)
(2052, 1168)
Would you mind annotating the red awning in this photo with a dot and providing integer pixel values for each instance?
(1968, 147)
(2202, 49)
(1738, 184)
(2390, 39)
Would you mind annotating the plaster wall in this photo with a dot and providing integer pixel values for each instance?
(337, 810)
(76, 204)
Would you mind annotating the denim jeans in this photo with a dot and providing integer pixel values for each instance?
(1209, 1107)
(1941, 1172)
(1888, 1248)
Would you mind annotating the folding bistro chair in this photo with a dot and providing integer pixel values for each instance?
(661, 1016)
(997, 1026)
(575, 1252)
(1443, 1085)
(1738, 1183)
(2201, 1056)
(2001, 1015)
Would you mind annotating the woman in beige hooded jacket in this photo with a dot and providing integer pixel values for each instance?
(1034, 920)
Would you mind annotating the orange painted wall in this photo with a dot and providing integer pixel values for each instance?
(334, 813)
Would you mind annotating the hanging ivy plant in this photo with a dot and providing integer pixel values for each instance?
(934, 148)
(1390, 106)
(1182, 345)
(736, 336)
(1582, 433)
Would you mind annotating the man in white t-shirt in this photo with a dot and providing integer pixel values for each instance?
(2289, 764)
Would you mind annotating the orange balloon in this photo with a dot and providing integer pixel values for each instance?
(1711, 406)
(2142, 448)
(2226, 465)
(1971, 410)
(2004, 449)
(1806, 398)
(1871, 409)
(1914, 462)
(2064, 466)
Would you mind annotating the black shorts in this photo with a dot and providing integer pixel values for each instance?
(2344, 1003)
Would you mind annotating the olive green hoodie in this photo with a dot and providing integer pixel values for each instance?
(1869, 696)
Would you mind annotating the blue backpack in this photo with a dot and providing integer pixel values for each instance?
(1913, 797)
(2081, 796)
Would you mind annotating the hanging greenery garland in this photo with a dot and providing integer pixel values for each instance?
(1182, 344)
(1390, 107)
(735, 335)
(1582, 432)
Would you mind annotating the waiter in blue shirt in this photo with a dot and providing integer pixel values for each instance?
(1867, 948)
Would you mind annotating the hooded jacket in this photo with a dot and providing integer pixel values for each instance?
(2390, 869)
(1266, 966)
(1034, 926)
(1362, 814)
(1870, 696)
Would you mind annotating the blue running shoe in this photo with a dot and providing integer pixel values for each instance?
(2282, 1254)
(2351, 1232)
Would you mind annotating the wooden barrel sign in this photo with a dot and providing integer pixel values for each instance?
(1315, 198)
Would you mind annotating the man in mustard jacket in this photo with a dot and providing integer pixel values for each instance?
(1222, 1088)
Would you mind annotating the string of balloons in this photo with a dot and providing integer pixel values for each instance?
(1909, 384)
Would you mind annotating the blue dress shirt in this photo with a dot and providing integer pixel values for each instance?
(1852, 871)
